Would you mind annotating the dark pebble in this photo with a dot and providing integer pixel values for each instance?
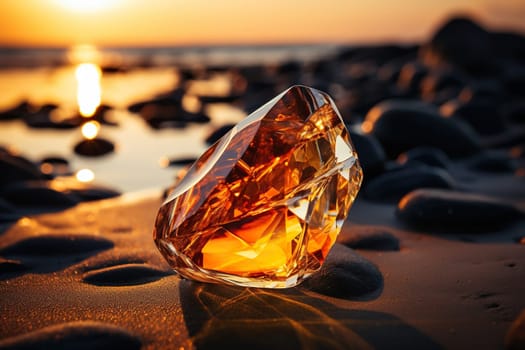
(515, 337)
(430, 156)
(11, 266)
(410, 77)
(218, 133)
(219, 99)
(450, 210)
(512, 137)
(515, 113)
(82, 335)
(16, 112)
(17, 168)
(182, 161)
(173, 98)
(94, 148)
(371, 155)
(482, 116)
(345, 274)
(57, 245)
(55, 166)
(400, 125)
(374, 240)
(492, 162)
(391, 186)
(43, 120)
(124, 275)
(93, 193)
(463, 43)
(36, 194)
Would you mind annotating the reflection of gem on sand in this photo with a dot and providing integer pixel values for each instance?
(263, 206)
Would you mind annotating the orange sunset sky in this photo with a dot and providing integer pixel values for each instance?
(182, 22)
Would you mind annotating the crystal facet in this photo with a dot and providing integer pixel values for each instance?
(263, 206)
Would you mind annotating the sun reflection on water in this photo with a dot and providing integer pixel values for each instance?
(89, 92)
(90, 130)
(85, 175)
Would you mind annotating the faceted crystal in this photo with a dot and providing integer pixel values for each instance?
(263, 206)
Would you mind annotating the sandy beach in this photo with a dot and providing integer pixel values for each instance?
(432, 255)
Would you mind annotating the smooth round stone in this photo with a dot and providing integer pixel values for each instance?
(515, 337)
(450, 210)
(43, 120)
(439, 84)
(16, 112)
(393, 185)
(492, 162)
(482, 116)
(16, 168)
(181, 161)
(371, 154)
(463, 43)
(171, 99)
(36, 194)
(74, 335)
(93, 193)
(410, 77)
(430, 156)
(345, 274)
(55, 166)
(515, 113)
(94, 148)
(218, 133)
(400, 125)
(373, 240)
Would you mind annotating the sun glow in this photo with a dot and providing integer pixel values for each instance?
(86, 5)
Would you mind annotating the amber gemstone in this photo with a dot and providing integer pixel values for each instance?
(263, 206)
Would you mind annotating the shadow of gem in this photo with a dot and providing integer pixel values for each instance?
(220, 316)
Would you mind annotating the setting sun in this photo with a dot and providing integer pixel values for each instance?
(86, 5)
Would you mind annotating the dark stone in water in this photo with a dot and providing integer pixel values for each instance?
(36, 194)
(371, 155)
(400, 125)
(93, 193)
(182, 161)
(393, 185)
(219, 99)
(16, 168)
(43, 120)
(492, 162)
(94, 148)
(345, 274)
(172, 99)
(482, 116)
(515, 337)
(461, 42)
(218, 133)
(432, 209)
(16, 112)
(55, 166)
